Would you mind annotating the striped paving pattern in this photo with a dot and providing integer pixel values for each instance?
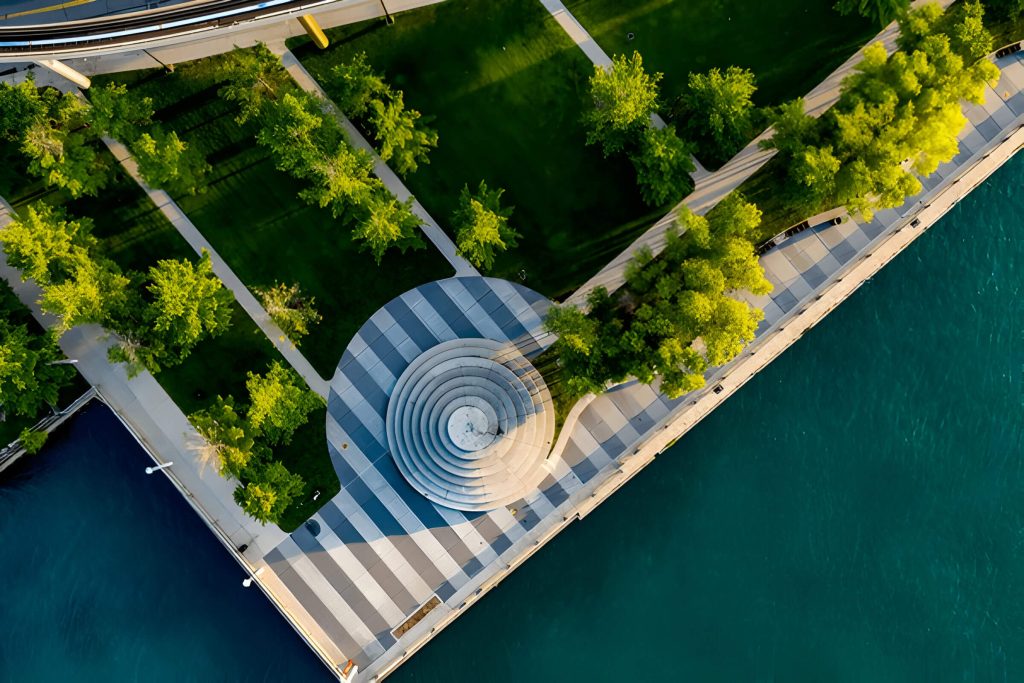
(383, 550)
(800, 265)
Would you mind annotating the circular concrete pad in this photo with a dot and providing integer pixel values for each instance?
(470, 423)
(470, 429)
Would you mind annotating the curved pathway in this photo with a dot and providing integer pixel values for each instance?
(384, 550)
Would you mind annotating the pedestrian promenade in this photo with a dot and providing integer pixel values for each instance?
(152, 414)
(713, 187)
(383, 568)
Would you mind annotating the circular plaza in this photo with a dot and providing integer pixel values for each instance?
(437, 393)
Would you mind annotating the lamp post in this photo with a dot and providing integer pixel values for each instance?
(151, 470)
(247, 581)
(387, 15)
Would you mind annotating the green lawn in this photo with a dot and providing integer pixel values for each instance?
(505, 88)
(135, 235)
(791, 45)
(251, 214)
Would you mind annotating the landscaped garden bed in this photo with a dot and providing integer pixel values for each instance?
(505, 89)
(252, 215)
(791, 46)
(135, 235)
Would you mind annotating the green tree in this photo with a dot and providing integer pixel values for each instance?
(481, 225)
(271, 488)
(279, 403)
(44, 245)
(118, 112)
(898, 118)
(294, 313)
(968, 36)
(623, 99)
(342, 181)
(92, 289)
(253, 76)
(663, 165)
(289, 127)
(356, 86)
(230, 435)
(168, 163)
(674, 317)
(32, 441)
(188, 303)
(58, 143)
(20, 107)
(28, 379)
(879, 11)
(402, 139)
(718, 108)
(389, 223)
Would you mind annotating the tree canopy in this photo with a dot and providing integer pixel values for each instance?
(294, 313)
(663, 165)
(28, 379)
(718, 110)
(243, 436)
(308, 142)
(481, 225)
(675, 316)
(279, 403)
(402, 136)
(623, 98)
(879, 11)
(898, 118)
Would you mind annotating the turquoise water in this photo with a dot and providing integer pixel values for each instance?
(855, 513)
(109, 576)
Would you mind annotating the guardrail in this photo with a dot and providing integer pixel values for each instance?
(121, 29)
(14, 450)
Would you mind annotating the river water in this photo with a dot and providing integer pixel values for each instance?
(855, 513)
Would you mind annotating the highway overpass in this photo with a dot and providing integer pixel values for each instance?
(177, 32)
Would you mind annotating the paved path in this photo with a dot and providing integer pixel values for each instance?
(579, 35)
(430, 227)
(712, 187)
(170, 209)
(152, 414)
(157, 421)
(383, 551)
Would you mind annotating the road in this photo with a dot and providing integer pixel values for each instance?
(35, 12)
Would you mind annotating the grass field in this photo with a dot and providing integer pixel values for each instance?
(251, 214)
(505, 89)
(791, 45)
(135, 235)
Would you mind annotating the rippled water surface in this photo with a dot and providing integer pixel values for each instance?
(855, 513)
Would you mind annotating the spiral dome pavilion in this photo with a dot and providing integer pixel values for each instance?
(470, 423)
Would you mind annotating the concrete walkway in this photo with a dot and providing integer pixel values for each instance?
(144, 404)
(713, 187)
(163, 429)
(428, 225)
(579, 35)
(249, 303)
